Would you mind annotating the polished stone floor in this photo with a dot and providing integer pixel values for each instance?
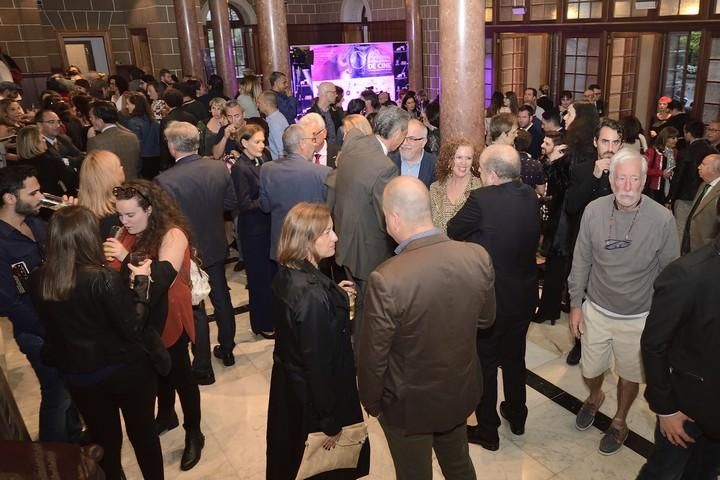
(235, 408)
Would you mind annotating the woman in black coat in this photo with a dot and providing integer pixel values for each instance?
(94, 324)
(313, 387)
(254, 228)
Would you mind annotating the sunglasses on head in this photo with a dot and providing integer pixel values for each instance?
(126, 193)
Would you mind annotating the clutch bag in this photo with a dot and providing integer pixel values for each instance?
(345, 454)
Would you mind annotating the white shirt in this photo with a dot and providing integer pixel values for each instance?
(323, 154)
(385, 149)
(712, 185)
(108, 126)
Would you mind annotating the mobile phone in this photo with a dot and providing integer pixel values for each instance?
(21, 275)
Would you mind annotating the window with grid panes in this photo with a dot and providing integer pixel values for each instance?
(488, 71)
(711, 103)
(626, 9)
(513, 51)
(679, 7)
(717, 7)
(506, 10)
(489, 11)
(584, 9)
(623, 70)
(581, 64)
(543, 9)
(237, 35)
(680, 65)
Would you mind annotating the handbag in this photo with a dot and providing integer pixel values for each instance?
(199, 283)
(345, 454)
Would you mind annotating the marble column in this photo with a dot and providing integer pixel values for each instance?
(273, 39)
(222, 43)
(413, 33)
(462, 45)
(190, 39)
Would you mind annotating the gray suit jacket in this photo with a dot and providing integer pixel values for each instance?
(362, 174)
(284, 183)
(123, 143)
(704, 224)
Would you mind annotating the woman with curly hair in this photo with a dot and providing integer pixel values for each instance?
(457, 172)
(155, 229)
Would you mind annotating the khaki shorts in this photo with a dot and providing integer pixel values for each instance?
(605, 336)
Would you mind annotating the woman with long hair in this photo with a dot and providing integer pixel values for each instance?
(458, 173)
(93, 323)
(158, 107)
(661, 160)
(147, 130)
(312, 388)
(581, 123)
(510, 103)
(253, 230)
(100, 173)
(410, 104)
(11, 115)
(633, 134)
(248, 92)
(496, 103)
(154, 228)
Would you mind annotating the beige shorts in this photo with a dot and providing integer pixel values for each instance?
(605, 336)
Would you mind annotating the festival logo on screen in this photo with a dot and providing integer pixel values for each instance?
(336, 62)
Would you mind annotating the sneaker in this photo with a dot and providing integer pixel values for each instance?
(613, 440)
(586, 416)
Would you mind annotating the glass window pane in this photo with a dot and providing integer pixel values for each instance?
(717, 6)
(569, 64)
(622, 9)
(714, 70)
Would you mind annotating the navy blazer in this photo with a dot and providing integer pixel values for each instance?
(511, 244)
(284, 183)
(427, 166)
(203, 191)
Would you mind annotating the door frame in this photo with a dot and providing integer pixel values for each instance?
(105, 36)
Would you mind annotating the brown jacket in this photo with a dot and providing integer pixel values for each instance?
(416, 343)
(704, 224)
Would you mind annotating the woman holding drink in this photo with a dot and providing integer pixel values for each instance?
(155, 229)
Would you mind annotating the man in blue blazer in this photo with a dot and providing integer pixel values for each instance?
(203, 190)
(411, 159)
(290, 180)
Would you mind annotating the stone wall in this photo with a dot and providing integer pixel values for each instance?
(430, 19)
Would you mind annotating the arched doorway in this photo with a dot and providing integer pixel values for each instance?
(242, 33)
(355, 11)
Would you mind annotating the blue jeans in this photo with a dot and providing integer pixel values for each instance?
(700, 461)
(59, 419)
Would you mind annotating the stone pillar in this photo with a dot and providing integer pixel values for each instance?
(273, 39)
(222, 43)
(462, 45)
(413, 33)
(188, 30)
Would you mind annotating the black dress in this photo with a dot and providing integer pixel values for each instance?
(313, 386)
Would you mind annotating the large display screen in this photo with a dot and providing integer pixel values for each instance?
(354, 67)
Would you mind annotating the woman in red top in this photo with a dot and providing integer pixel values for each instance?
(154, 228)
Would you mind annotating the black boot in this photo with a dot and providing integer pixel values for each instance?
(194, 443)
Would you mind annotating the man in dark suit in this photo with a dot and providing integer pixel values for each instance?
(174, 99)
(190, 103)
(418, 375)
(686, 179)
(362, 174)
(411, 158)
(203, 190)
(512, 245)
(324, 152)
(291, 179)
(58, 143)
(702, 227)
(115, 138)
(544, 100)
(533, 125)
(682, 367)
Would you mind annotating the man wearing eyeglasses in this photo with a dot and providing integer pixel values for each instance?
(325, 153)
(411, 158)
(625, 241)
(57, 142)
(712, 134)
(325, 106)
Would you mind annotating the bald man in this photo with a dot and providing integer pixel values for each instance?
(701, 226)
(325, 106)
(417, 364)
(511, 244)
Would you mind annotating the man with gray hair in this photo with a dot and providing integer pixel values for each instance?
(203, 190)
(625, 241)
(361, 178)
(701, 226)
(325, 107)
(411, 158)
(418, 375)
(277, 123)
(324, 153)
(512, 245)
(290, 180)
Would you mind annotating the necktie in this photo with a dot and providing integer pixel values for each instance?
(685, 247)
(317, 158)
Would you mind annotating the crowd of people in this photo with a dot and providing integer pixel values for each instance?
(444, 254)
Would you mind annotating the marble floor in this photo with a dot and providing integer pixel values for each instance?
(235, 409)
